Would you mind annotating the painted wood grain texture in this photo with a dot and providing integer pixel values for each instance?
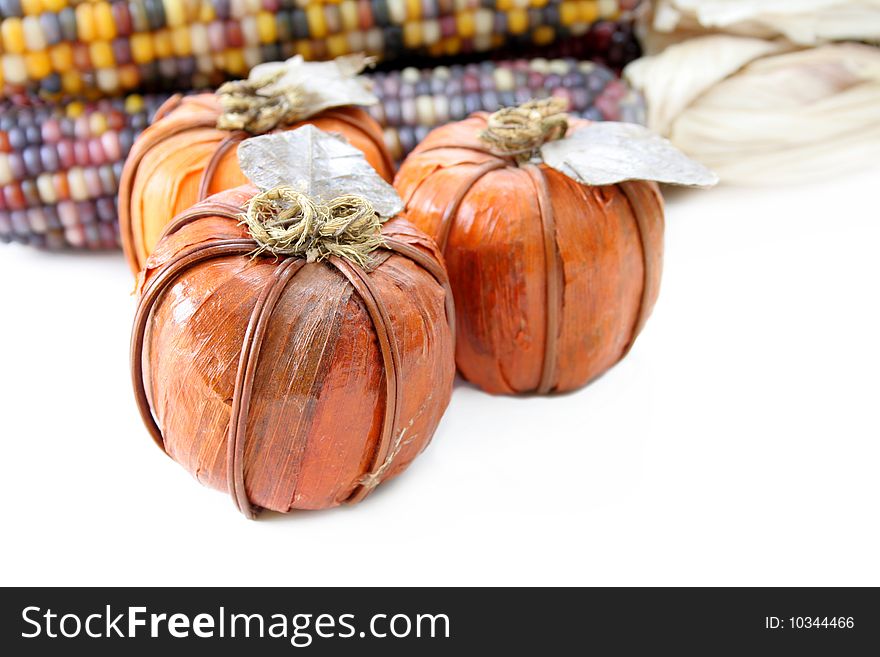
(319, 405)
(165, 172)
(553, 279)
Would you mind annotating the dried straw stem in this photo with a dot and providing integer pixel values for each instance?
(520, 131)
(284, 221)
(250, 106)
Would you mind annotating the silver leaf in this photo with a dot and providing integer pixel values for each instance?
(321, 85)
(608, 152)
(317, 163)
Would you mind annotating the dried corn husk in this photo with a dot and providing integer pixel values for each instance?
(764, 112)
(803, 22)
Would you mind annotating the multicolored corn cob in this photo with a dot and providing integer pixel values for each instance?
(94, 48)
(414, 101)
(60, 167)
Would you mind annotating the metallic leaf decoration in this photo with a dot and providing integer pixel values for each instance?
(322, 165)
(321, 85)
(608, 152)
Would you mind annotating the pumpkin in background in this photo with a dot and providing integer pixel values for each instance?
(184, 157)
(553, 279)
(292, 384)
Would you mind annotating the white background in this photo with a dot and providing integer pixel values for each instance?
(739, 443)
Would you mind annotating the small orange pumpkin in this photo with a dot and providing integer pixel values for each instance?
(291, 384)
(184, 158)
(553, 279)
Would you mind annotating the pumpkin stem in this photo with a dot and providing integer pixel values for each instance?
(253, 106)
(520, 131)
(284, 221)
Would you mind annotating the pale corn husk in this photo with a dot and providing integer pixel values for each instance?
(803, 22)
(764, 112)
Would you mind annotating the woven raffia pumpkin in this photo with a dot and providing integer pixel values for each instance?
(304, 356)
(553, 278)
(190, 150)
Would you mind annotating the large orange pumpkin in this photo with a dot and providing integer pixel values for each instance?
(184, 158)
(291, 384)
(553, 279)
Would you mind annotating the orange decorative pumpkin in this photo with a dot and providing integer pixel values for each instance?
(184, 157)
(553, 279)
(291, 384)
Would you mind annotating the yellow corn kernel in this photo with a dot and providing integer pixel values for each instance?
(12, 31)
(235, 63)
(589, 11)
(129, 76)
(71, 82)
(162, 45)
(436, 49)
(38, 64)
(142, 48)
(62, 57)
(101, 54)
(348, 12)
(31, 7)
(175, 14)
(304, 49)
(181, 40)
(97, 123)
(413, 10)
(206, 13)
(543, 35)
(267, 28)
(452, 46)
(412, 34)
(85, 22)
(337, 45)
(134, 104)
(465, 24)
(54, 5)
(316, 21)
(517, 21)
(569, 13)
(105, 26)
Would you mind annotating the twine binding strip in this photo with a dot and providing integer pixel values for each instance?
(207, 178)
(244, 382)
(388, 447)
(641, 218)
(553, 278)
(451, 211)
(391, 362)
